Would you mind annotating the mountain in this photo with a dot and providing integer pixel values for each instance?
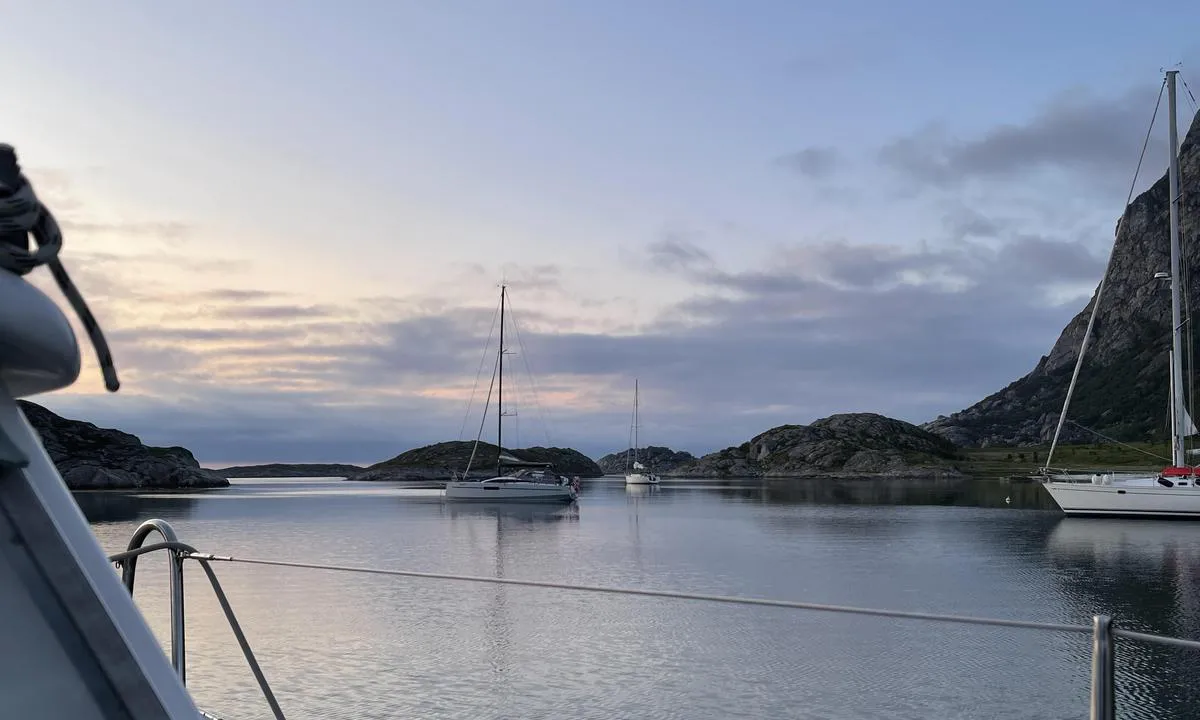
(847, 445)
(1123, 385)
(283, 470)
(657, 459)
(439, 461)
(94, 458)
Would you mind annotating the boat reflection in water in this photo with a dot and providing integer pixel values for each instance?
(500, 535)
(1147, 573)
(507, 510)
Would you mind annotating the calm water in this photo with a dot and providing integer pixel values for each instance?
(337, 645)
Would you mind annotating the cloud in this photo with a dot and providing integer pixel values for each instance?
(1077, 132)
(243, 374)
(546, 276)
(816, 163)
(273, 312)
(171, 232)
(56, 189)
(815, 329)
(676, 252)
(963, 222)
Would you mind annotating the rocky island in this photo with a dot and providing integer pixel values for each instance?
(853, 445)
(439, 462)
(94, 458)
(659, 459)
(289, 470)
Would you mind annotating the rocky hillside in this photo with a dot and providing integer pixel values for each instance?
(1123, 385)
(439, 461)
(93, 458)
(658, 459)
(849, 445)
(283, 470)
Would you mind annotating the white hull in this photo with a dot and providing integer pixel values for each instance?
(505, 490)
(1132, 497)
(641, 479)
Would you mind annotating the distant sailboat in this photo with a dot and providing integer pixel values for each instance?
(522, 481)
(635, 472)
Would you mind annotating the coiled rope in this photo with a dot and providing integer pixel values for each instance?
(21, 215)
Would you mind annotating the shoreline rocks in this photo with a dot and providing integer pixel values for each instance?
(94, 458)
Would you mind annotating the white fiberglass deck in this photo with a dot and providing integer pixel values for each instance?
(509, 489)
(641, 479)
(1137, 496)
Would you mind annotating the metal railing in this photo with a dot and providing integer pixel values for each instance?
(178, 552)
(1103, 631)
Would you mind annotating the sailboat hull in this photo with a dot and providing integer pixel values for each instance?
(641, 479)
(1140, 497)
(509, 491)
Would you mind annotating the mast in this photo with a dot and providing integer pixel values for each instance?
(500, 391)
(1172, 416)
(1178, 431)
(635, 420)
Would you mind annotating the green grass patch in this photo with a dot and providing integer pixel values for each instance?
(1006, 461)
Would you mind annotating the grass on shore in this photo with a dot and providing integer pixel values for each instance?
(1022, 461)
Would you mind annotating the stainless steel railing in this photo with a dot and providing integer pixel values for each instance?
(1103, 630)
(178, 552)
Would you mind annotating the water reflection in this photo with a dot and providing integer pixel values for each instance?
(504, 531)
(964, 492)
(635, 496)
(1145, 573)
(110, 506)
(450, 649)
(511, 512)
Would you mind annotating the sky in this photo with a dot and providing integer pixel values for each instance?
(292, 216)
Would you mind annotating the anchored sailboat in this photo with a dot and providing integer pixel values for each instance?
(515, 480)
(635, 472)
(1173, 492)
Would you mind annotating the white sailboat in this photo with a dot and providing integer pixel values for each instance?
(635, 472)
(1173, 492)
(515, 480)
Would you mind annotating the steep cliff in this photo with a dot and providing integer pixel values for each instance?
(1122, 391)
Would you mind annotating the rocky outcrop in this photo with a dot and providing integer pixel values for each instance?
(283, 470)
(848, 445)
(656, 458)
(442, 461)
(94, 458)
(1123, 385)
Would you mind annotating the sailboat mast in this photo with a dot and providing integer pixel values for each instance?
(1178, 429)
(635, 419)
(500, 391)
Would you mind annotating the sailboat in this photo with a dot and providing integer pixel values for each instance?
(515, 479)
(1174, 491)
(635, 472)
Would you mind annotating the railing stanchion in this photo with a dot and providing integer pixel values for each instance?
(129, 575)
(1103, 704)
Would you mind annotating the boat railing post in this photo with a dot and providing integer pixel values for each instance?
(178, 643)
(1103, 704)
(129, 574)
